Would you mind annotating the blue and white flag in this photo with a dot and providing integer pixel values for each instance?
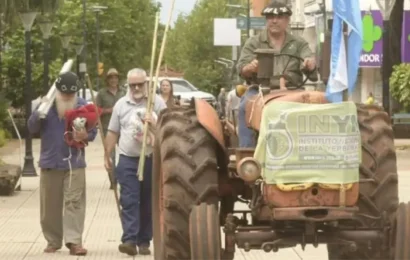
(344, 68)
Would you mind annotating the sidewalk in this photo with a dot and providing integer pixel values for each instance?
(402, 143)
(20, 233)
(21, 237)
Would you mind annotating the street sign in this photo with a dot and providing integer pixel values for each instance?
(256, 23)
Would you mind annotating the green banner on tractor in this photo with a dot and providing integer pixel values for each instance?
(309, 143)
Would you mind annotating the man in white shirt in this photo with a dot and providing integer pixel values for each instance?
(126, 124)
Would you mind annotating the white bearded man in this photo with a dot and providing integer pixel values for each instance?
(62, 177)
(126, 124)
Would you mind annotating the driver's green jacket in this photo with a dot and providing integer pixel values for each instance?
(293, 45)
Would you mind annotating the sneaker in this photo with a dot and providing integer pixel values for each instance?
(128, 248)
(77, 250)
(144, 250)
(51, 249)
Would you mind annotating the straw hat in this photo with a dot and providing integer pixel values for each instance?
(112, 72)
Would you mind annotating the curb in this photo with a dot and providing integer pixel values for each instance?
(402, 146)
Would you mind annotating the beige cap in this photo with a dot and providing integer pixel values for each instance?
(112, 72)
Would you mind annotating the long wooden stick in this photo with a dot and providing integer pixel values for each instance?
(90, 87)
(151, 80)
(152, 94)
(153, 52)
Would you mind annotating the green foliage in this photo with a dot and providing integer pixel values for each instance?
(4, 120)
(400, 84)
(132, 20)
(14, 66)
(190, 46)
(3, 137)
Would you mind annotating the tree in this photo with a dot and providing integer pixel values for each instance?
(400, 85)
(190, 47)
(133, 21)
(394, 46)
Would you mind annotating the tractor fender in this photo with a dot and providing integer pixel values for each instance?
(209, 119)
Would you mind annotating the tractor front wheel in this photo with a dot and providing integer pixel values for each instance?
(401, 232)
(204, 232)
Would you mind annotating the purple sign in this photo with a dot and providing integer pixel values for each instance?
(372, 53)
(405, 40)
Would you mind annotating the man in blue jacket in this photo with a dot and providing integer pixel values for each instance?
(62, 177)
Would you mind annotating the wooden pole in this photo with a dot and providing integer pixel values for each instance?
(90, 87)
(152, 94)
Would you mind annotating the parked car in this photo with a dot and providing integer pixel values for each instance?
(184, 90)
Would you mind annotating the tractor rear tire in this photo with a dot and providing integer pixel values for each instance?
(378, 180)
(189, 176)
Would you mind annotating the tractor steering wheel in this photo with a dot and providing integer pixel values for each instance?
(289, 79)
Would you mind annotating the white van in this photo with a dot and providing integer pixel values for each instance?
(184, 90)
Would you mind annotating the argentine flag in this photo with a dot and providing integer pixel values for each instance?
(344, 68)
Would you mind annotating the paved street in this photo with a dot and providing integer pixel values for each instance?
(21, 238)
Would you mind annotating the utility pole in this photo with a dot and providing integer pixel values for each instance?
(396, 26)
(97, 9)
(325, 15)
(84, 46)
(97, 24)
(27, 19)
(1, 50)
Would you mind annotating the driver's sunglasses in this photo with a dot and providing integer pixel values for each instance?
(133, 85)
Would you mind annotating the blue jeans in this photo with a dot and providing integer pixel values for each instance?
(135, 199)
(247, 137)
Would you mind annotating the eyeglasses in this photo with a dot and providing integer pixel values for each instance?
(133, 85)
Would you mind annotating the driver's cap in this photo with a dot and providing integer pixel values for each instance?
(277, 7)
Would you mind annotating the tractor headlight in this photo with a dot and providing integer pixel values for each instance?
(249, 169)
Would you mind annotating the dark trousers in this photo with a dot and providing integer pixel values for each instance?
(135, 199)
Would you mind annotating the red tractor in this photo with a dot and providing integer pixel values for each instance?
(197, 179)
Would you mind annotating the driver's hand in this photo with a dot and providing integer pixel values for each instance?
(251, 67)
(309, 64)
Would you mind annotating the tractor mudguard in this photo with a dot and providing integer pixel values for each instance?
(209, 119)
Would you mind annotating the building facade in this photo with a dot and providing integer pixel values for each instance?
(370, 79)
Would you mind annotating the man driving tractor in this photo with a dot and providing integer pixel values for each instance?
(287, 72)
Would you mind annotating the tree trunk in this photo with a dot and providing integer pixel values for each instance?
(1, 50)
(396, 26)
